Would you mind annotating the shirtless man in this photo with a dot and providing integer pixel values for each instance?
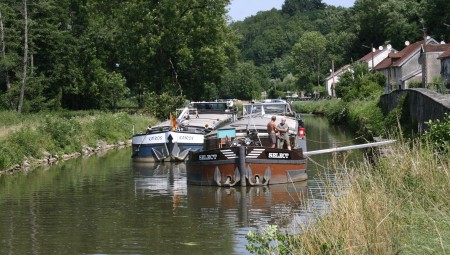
(272, 129)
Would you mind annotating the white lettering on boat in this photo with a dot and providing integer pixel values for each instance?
(155, 138)
(278, 155)
(186, 137)
(207, 157)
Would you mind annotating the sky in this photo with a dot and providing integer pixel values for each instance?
(240, 9)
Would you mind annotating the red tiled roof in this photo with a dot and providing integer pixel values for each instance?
(338, 71)
(397, 59)
(342, 68)
(407, 52)
(446, 54)
(387, 62)
(437, 47)
(368, 57)
(395, 55)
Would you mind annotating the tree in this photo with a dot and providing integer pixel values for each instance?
(359, 83)
(387, 20)
(3, 47)
(309, 53)
(246, 81)
(437, 19)
(293, 6)
(25, 56)
(181, 45)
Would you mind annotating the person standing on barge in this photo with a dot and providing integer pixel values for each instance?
(272, 129)
(283, 128)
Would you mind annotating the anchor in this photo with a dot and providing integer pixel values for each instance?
(230, 180)
(266, 177)
(161, 155)
(177, 153)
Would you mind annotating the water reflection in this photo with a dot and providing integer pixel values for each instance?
(160, 178)
(245, 206)
(104, 204)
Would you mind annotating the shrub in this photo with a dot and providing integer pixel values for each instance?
(439, 134)
(161, 105)
(64, 134)
(366, 118)
(337, 113)
(111, 128)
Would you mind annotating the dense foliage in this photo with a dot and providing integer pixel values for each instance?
(94, 54)
(438, 134)
(78, 54)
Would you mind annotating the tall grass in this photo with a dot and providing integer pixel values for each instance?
(36, 135)
(399, 206)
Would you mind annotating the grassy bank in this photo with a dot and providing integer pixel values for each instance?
(35, 136)
(399, 206)
(364, 117)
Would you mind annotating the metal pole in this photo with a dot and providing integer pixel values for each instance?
(424, 63)
(372, 49)
(242, 168)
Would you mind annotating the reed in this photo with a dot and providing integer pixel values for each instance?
(400, 205)
(387, 207)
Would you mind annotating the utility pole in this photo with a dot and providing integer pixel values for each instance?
(372, 50)
(333, 92)
(424, 57)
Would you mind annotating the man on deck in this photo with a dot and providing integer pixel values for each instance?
(272, 129)
(283, 128)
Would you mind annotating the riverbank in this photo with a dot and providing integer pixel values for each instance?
(29, 140)
(395, 204)
(364, 117)
(398, 206)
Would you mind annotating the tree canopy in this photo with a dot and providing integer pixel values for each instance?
(78, 54)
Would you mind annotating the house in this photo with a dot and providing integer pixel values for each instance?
(433, 52)
(334, 78)
(372, 59)
(445, 68)
(376, 56)
(403, 67)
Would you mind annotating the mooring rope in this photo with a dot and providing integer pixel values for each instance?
(340, 142)
(309, 158)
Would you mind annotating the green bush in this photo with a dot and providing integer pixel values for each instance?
(162, 105)
(438, 134)
(26, 142)
(8, 157)
(337, 113)
(64, 134)
(22, 140)
(268, 241)
(112, 128)
(366, 118)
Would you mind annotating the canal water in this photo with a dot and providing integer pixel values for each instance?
(105, 204)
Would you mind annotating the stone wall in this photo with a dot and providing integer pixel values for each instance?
(423, 105)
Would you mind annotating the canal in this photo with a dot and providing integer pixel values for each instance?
(105, 204)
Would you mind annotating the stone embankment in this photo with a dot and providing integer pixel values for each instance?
(422, 105)
(31, 164)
